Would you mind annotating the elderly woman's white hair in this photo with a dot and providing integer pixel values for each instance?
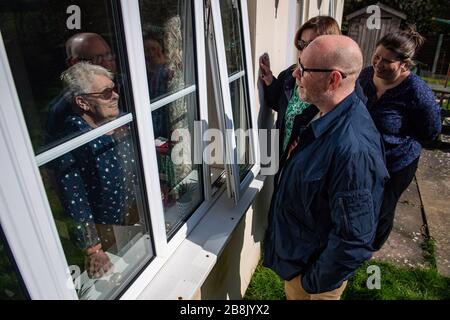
(78, 79)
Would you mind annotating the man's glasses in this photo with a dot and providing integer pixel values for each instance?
(301, 44)
(98, 59)
(303, 70)
(105, 94)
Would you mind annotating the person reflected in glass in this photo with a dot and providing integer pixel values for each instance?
(156, 62)
(158, 76)
(83, 46)
(96, 180)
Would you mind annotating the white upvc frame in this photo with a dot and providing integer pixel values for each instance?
(133, 35)
(25, 214)
(254, 139)
(136, 59)
(237, 187)
(72, 144)
(173, 97)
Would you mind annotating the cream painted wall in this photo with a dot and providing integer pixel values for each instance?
(276, 35)
(273, 35)
(312, 9)
(234, 268)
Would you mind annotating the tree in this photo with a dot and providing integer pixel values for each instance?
(418, 12)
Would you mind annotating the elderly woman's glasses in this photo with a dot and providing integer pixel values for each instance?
(105, 94)
(303, 70)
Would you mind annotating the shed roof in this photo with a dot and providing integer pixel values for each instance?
(384, 7)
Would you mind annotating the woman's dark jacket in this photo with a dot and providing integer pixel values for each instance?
(406, 116)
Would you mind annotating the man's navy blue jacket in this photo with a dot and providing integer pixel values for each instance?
(325, 210)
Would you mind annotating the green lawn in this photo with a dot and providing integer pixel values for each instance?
(433, 80)
(397, 283)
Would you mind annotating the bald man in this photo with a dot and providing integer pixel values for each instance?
(325, 210)
(87, 46)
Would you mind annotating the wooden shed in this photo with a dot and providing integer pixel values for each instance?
(367, 38)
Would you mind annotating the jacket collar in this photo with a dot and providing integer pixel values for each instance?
(322, 124)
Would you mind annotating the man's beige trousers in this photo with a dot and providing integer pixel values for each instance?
(295, 291)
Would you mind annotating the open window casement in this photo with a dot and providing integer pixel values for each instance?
(229, 48)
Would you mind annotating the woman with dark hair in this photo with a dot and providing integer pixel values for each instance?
(281, 93)
(405, 112)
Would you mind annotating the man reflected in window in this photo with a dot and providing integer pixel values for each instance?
(97, 180)
(84, 46)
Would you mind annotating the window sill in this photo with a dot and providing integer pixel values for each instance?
(187, 269)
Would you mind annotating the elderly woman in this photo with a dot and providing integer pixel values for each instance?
(97, 179)
(405, 112)
(281, 93)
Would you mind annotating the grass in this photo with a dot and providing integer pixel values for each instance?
(265, 285)
(429, 249)
(433, 80)
(397, 283)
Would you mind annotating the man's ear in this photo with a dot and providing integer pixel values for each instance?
(82, 103)
(334, 80)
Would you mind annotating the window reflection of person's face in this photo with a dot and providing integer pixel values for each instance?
(153, 51)
(100, 109)
(98, 52)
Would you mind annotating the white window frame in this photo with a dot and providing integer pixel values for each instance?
(237, 187)
(136, 59)
(25, 212)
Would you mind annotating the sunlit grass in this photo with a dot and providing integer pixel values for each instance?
(397, 283)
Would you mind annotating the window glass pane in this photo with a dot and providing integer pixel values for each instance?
(167, 30)
(96, 189)
(232, 30)
(42, 40)
(11, 287)
(96, 196)
(240, 118)
(181, 179)
(232, 35)
(216, 162)
(168, 35)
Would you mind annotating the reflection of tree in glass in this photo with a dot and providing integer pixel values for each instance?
(9, 284)
(232, 36)
(178, 110)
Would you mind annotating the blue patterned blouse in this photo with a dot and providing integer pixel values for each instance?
(405, 115)
(97, 180)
